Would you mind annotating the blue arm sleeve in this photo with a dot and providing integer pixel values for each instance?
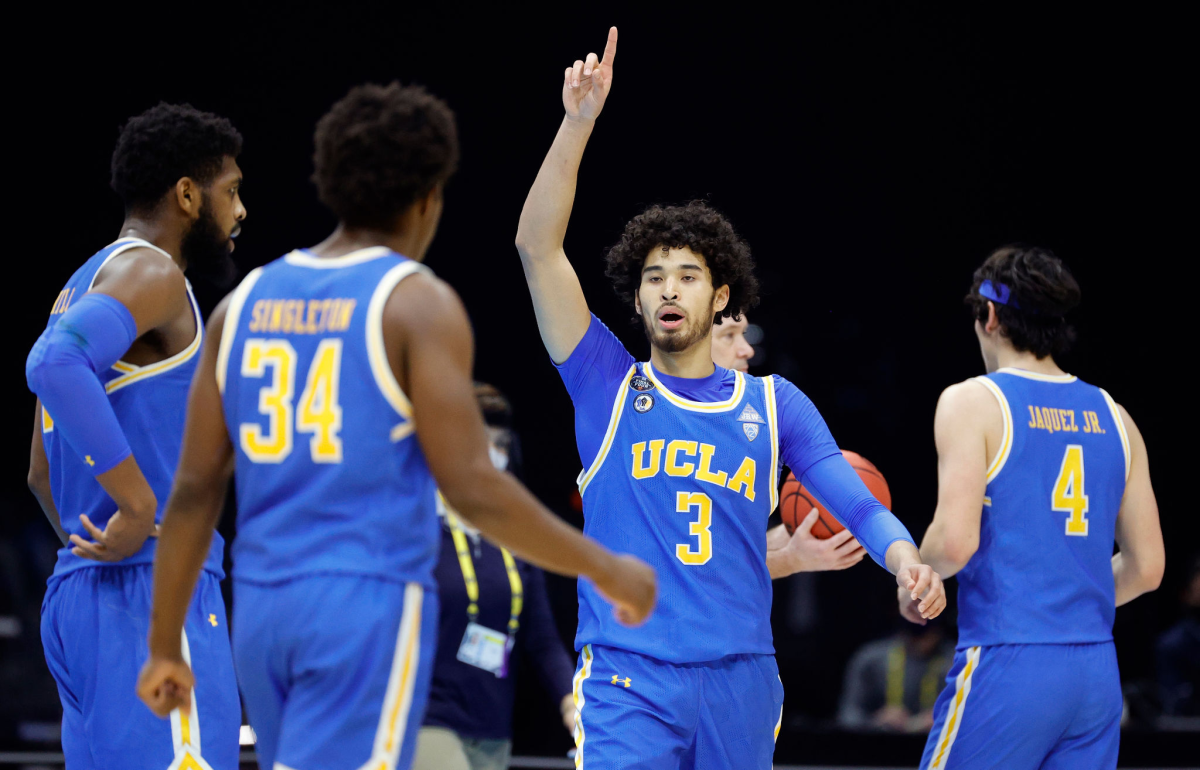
(838, 488)
(62, 367)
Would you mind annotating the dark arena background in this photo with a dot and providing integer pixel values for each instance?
(871, 155)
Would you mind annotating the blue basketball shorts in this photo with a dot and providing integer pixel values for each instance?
(635, 712)
(94, 626)
(1028, 706)
(335, 669)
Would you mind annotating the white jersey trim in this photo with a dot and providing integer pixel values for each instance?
(1116, 415)
(377, 352)
(1037, 375)
(300, 259)
(233, 313)
(773, 422)
(739, 389)
(586, 475)
(1006, 438)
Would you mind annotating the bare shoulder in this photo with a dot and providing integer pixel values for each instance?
(425, 302)
(1131, 428)
(141, 269)
(966, 399)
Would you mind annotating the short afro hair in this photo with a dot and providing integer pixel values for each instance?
(700, 228)
(166, 143)
(380, 149)
(1042, 292)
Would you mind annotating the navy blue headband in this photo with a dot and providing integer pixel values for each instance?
(998, 292)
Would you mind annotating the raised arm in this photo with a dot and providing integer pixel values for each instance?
(428, 339)
(562, 312)
(1138, 566)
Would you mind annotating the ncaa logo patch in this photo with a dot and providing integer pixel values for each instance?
(751, 430)
(643, 403)
(641, 384)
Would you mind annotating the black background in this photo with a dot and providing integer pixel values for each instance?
(872, 156)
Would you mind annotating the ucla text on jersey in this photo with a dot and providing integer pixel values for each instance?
(688, 487)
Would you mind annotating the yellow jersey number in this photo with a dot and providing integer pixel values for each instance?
(684, 503)
(1068, 496)
(320, 413)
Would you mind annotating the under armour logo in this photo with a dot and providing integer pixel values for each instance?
(212, 618)
(89, 460)
(618, 680)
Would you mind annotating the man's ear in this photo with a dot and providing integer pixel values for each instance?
(993, 321)
(721, 298)
(189, 197)
(430, 198)
(637, 303)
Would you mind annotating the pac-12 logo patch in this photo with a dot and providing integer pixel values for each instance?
(751, 429)
(641, 384)
(643, 403)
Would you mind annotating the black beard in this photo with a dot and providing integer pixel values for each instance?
(206, 251)
(677, 341)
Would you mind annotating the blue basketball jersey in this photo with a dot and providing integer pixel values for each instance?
(150, 403)
(1043, 571)
(330, 477)
(687, 487)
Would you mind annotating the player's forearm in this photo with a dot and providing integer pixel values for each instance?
(40, 487)
(547, 209)
(1133, 578)
(507, 514)
(901, 554)
(947, 555)
(183, 545)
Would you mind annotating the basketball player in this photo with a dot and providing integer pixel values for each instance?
(111, 372)
(1034, 683)
(343, 373)
(799, 551)
(675, 473)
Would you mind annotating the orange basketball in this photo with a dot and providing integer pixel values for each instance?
(796, 501)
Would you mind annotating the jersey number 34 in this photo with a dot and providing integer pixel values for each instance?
(1068, 495)
(319, 414)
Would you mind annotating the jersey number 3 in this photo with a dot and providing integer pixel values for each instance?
(1068, 496)
(320, 413)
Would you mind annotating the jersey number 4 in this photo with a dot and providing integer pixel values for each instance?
(320, 413)
(1068, 496)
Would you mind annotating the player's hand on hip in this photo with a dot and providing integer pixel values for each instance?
(924, 588)
(632, 588)
(587, 83)
(804, 553)
(121, 538)
(165, 685)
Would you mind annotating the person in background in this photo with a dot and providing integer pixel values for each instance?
(494, 610)
(892, 683)
(799, 551)
(1178, 655)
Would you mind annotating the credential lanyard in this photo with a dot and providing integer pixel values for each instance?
(467, 565)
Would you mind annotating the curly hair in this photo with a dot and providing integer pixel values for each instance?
(1042, 290)
(700, 228)
(166, 143)
(380, 149)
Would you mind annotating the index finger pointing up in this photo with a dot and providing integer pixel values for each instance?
(610, 48)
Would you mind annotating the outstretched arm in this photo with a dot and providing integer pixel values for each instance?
(429, 345)
(197, 494)
(1138, 566)
(558, 302)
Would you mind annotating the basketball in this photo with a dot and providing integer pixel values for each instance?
(796, 501)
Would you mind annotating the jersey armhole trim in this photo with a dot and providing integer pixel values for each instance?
(1006, 437)
(773, 422)
(1116, 415)
(385, 378)
(233, 314)
(585, 477)
(134, 374)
